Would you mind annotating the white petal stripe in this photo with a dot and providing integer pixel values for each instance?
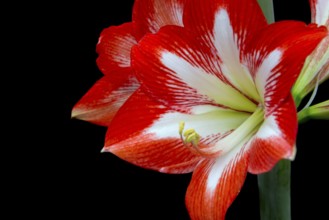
(322, 12)
(206, 84)
(265, 71)
(225, 41)
(224, 162)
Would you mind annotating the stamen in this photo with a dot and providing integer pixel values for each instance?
(181, 128)
(190, 135)
(313, 93)
(193, 138)
(188, 132)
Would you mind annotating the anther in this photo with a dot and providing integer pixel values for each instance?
(190, 135)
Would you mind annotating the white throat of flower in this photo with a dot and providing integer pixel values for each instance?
(243, 133)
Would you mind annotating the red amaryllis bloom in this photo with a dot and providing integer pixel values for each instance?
(103, 100)
(214, 99)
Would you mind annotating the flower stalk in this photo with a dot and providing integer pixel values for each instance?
(274, 186)
(274, 192)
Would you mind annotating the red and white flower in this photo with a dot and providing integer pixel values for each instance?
(214, 98)
(316, 67)
(102, 101)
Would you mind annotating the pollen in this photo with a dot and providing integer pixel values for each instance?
(189, 136)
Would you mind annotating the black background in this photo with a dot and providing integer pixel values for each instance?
(75, 180)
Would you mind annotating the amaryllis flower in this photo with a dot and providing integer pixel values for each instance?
(106, 96)
(214, 99)
(316, 67)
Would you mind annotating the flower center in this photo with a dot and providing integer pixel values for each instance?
(238, 137)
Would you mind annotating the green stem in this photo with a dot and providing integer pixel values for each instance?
(318, 111)
(274, 192)
(303, 116)
(268, 9)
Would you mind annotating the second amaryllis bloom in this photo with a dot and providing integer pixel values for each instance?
(100, 104)
(214, 99)
(316, 68)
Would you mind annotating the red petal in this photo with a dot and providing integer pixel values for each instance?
(226, 26)
(275, 139)
(114, 48)
(215, 184)
(131, 138)
(181, 73)
(277, 55)
(246, 18)
(150, 15)
(102, 101)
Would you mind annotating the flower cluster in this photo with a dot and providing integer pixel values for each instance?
(200, 86)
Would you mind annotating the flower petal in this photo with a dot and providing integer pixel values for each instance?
(315, 70)
(226, 26)
(128, 138)
(180, 72)
(114, 48)
(276, 58)
(150, 15)
(275, 139)
(215, 184)
(102, 101)
(316, 67)
(146, 134)
(320, 11)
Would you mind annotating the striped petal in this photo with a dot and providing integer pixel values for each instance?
(146, 134)
(215, 184)
(320, 12)
(276, 57)
(150, 15)
(226, 26)
(183, 73)
(114, 48)
(275, 139)
(104, 98)
(316, 68)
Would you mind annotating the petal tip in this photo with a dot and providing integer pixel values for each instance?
(292, 156)
(104, 150)
(78, 113)
(75, 113)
